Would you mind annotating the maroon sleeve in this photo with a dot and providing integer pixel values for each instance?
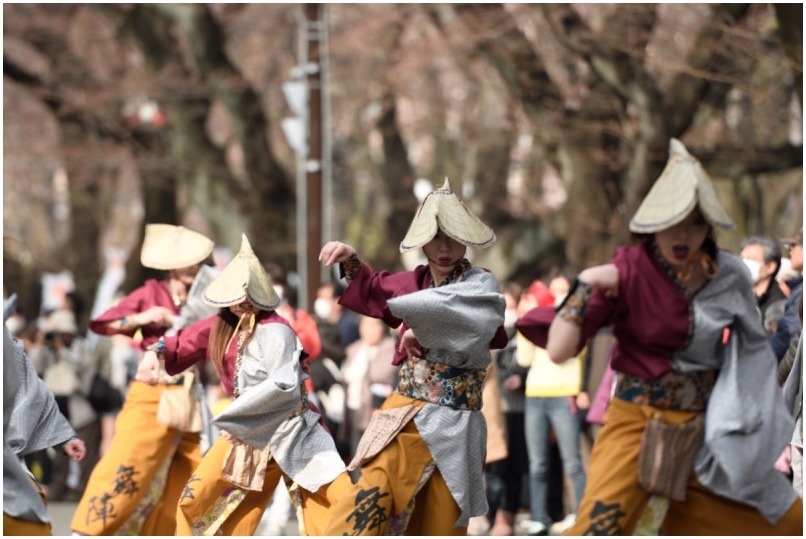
(500, 339)
(369, 291)
(534, 325)
(152, 293)
(136, 302)
(188, 346)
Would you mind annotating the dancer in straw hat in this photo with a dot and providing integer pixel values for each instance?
(269, 431)
(421, 457)
(697, 420)
(135, 487)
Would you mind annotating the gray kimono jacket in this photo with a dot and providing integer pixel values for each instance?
(269, 409)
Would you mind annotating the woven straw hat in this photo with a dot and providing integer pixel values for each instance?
(243, 278)
(168, 247)
(682, 186)
(442, 209)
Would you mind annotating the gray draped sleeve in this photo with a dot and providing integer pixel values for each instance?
(31, 422)
(747, 425)
(268, 410)
(195, 308)
(456, 322)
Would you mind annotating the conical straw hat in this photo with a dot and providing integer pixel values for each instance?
(243, 278)
(442, 209)
(167, 247)
(682, 186)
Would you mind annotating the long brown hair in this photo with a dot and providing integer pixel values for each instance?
(220, 337)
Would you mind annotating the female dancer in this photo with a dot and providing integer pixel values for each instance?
(268, 431)
(697, 420)
(135, 487)
(421, 457)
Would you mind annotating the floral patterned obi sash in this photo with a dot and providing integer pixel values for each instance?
(442, 384)
(688, 392)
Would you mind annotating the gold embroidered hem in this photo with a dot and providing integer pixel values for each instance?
(213, 518)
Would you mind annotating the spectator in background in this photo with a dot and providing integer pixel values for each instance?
(598, 350)
(551, 393)
(786, 274)
(496, 442)
(369, 376)
(559, 286)
(789, 324)
(762, 256)
(793, 397)
(328, 309)
(507, 479)
(301, 322)
(69, 376)
(786, 364)
(116, 363)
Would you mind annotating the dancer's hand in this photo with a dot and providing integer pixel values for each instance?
(784, 462)
(409, 345)
(148, 370)
(230, 438)
(75, 449)
(604, 276)
(155, 316)
(334, 252)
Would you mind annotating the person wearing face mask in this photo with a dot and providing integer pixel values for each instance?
(422, 455)
(269, 432)
(134, 488)
(790, 324)
(697, 420)
(762, 256)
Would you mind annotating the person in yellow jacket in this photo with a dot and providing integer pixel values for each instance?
(551, 392)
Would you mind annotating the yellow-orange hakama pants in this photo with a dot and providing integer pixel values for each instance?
(135, 487)
(399, 487)
(613, 501)
(211, 505)
(17, 526)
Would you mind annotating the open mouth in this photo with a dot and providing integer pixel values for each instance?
(680, 252)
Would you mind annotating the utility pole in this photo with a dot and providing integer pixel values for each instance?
(314, 32)
(308, 133)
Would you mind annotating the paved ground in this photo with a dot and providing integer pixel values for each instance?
(61, 514)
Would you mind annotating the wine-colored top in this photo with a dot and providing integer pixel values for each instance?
(152, 293)
(650, 317)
